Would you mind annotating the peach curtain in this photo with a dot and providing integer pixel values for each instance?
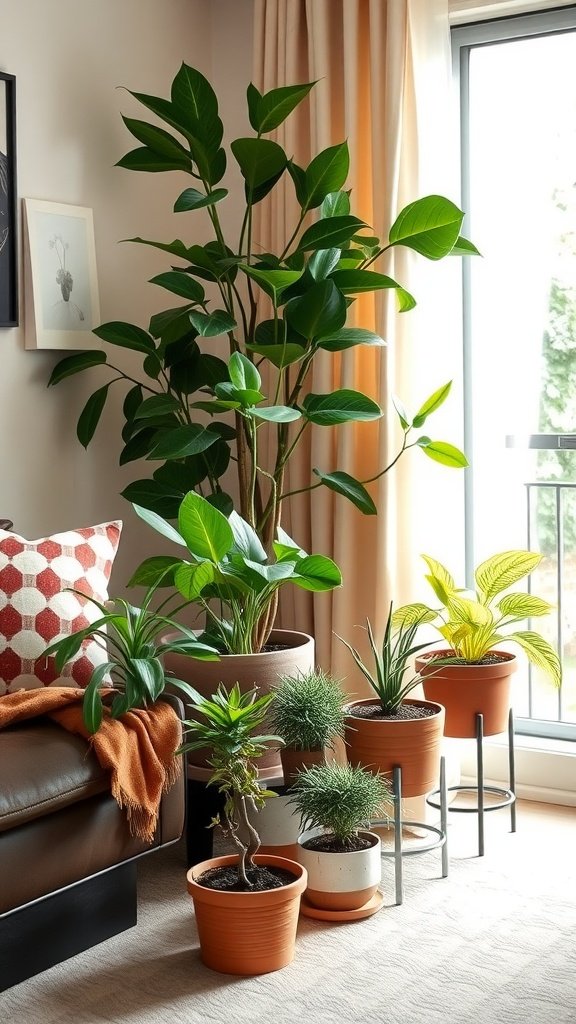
(375, 62)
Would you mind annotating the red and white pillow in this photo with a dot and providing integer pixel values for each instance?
(35, 608)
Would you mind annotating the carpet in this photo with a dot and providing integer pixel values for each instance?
(494, 943)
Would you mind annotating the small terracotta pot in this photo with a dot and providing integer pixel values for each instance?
(411, 743)
(247, 932)
(294, 760)
(341, 881)
(466, 690)
(296, 654)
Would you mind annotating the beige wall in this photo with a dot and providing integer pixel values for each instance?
(69, 57)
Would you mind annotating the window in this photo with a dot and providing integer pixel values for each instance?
(518, 130)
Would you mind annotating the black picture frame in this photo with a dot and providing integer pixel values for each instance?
(8, 192)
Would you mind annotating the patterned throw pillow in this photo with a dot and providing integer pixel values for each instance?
(36, 609)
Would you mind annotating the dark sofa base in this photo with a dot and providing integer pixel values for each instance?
(42, 934)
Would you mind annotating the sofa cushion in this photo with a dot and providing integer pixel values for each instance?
(44, 769)
(36, 609)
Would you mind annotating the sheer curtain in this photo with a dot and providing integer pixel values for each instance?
(383, 72)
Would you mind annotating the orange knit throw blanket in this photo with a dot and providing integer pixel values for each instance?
(137, 749)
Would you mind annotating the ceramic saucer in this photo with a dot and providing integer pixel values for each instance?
(373, 905)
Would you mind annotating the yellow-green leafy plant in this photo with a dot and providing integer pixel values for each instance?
(474, 623)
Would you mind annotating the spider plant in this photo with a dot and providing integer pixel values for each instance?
(388, 676)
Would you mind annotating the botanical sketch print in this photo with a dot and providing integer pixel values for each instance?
(64, 273)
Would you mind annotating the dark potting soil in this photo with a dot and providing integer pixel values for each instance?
(227, 879)
(329, 844)
(404, 713)
(492, 658)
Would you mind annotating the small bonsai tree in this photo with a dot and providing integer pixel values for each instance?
(341, 799)
(227, 724)
(308, 710)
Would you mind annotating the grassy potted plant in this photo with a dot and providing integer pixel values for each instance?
(340, 854)
(191, 414)
(392, 729)
(136, 644)
(472, 675)
(308, 713)
(246, 904)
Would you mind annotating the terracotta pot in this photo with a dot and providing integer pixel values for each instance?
(294, 760)
(296, 654)
(412, 743)
(247, 932)
(278, 825)
(466, 690)
(341, 881)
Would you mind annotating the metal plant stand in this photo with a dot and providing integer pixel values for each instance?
(441, 834)
(508, 795)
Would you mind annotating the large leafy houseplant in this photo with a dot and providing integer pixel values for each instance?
(191, 413)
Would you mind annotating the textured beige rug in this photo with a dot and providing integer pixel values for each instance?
(494, 943)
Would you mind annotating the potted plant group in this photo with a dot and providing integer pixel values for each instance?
(472, 675)
(246, 904)
(341, 856)
(194, 415)
(308, 713)
(391, 729)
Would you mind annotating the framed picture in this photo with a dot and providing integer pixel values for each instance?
(60, 285)
(8, 241)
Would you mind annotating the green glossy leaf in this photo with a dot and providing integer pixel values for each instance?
(138, 446)
(325, 174)
(341, 406)
(401, 412)
(205, 530)
(171, 324)
(241, 396)
(143, 159)
(76, 364)
(192, 199)
(155, 571)
(155, 495)
(193, 98)
(319, 312)
(336, 204)
(273, 107)
(92, 707)
(348, 337)
(132, 402)
(246, 540)
(273, 282)
(156, 139)
(447, 454)
(176, 248)
(90, 416)
(243, 374)
(159, 524)
(331, 233)
(180, 284)
(258, 159)
(322, 263)
(279, 355)
(431, 404)
(125, 336)
(317, 573)
(210, 325)
(463, 247)
(344, 484)
(277, 414)
(352, 282)
(156, 405)
(430, 226)
(253, 97)
(182, 441)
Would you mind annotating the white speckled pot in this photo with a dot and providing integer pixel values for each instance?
(341, 881)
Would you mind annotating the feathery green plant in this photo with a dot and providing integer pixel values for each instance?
(339, 798)
(308, 710)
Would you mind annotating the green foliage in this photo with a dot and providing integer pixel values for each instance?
(132, 638)
(227, 723)
(308, 710)
(339, 798)
(391, 662)
(475, 624)
(311, 282)
(228, 562)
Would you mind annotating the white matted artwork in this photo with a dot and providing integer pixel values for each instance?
(61, 285)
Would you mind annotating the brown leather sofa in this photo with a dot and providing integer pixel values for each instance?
(67, 859)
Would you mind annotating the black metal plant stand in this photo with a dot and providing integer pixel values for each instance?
(441, 834)
(508, 795)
